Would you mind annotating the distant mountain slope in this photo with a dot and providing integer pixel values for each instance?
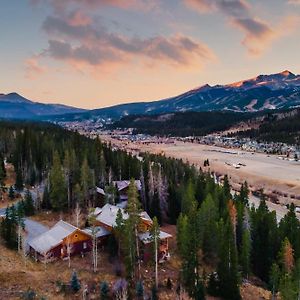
(14, 106)
(275, 91)
(277, 127)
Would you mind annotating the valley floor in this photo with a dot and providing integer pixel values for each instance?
(269, 172)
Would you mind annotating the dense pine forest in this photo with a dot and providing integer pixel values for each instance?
(182, 123)
(221, 240)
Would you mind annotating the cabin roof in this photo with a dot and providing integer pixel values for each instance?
(145, 237)
(53, 237)
(108, 215)
(99, 230)
(100, 191)
(123, 184)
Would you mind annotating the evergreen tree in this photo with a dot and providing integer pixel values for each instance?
(19, 180)
(227, 188)
(2, 170)
(58, 191)
(264, 236)
(11, 193)
(131, 229)
(111, 194)
(104, 290)
(86, 181)
(46, 204)
(245, 257)
(119, 230)
(274, 279)
(75, 284)
(139, 290)
(9, 228)
(227, 266)
(208, 217)
(28, 204)
(289, 227)
(188, 198)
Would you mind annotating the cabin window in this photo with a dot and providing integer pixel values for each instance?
(84, 245)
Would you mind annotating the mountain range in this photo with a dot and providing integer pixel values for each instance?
(14, 106)
(264, 92)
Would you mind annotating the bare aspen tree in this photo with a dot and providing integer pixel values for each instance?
(92, 220)
(143, 189)
(154, 236)
(77, 215)
(24, 250)
(69, 251)
(151, 185)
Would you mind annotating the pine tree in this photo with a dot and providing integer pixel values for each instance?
(246, 253)
(9, 228)
(58, 191)
(104, 290)
(208, 217)
(110, 194)
(274, 279)
(75, 284)
(119, 230)
(86, 180)
(139, 290)
(19, 180)
(2, 170)
(29, 209)
(131, 229)
(289, 227)
(227, 266)
(188, 199)
(46, 199)
(11, 193)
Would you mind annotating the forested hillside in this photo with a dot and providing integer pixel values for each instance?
(221, 241)
(182, 124)
(276, 127)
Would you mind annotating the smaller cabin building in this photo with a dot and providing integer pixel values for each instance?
(60, 241)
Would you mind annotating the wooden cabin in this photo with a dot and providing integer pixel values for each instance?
(146, 246)
(106, 218)
(60, 240)
(123, 186)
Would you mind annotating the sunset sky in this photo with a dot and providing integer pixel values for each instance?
(96, 53)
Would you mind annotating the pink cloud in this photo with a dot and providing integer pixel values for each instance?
(228, 7)
(33, 68)
(294, 2)
(78, 18)
(95, 45)
(60, 6)
(259, 35)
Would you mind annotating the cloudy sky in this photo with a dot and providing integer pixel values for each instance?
(95, 53)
